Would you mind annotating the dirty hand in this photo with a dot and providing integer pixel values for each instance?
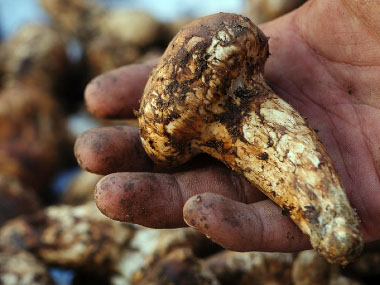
(325, 63)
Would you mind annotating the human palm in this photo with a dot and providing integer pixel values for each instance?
(326, 62)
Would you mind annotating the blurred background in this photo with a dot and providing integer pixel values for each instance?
(50, 229)
(24, 11)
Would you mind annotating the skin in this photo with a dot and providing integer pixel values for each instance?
(324, 61)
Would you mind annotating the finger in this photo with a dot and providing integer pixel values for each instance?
(241, 227)
(116, 94)
(156, 200)
(111, 149)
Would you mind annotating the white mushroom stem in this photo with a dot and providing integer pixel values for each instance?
(282, 156)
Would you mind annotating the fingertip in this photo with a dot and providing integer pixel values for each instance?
(147, 199)
(81, 152)
(242, 227)
(96, 150)
(111, 196)
(116, 94)
(93, 98)
(110, 96)
(111, 149)
(107, 200)
(210, 214)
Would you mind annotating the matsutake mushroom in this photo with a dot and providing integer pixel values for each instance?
(208, 95)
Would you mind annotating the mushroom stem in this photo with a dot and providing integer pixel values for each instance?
(208, 94)
(278, 153)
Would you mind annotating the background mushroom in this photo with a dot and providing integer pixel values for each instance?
(35, 55)
(70, 237)
(21, 267)
(16, 199)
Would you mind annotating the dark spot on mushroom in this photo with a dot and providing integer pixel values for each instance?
(270, 142)
(172, 87)
(235, 112)
(287, 210)
(171, 116)
(215, 144)
(312, 214)
(238, 29)
(184, 55)
(201, 66)
(245, 19)
(242, 93)
(263, 156)
(151, 144)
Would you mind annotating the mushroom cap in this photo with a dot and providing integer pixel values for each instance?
(205, 63)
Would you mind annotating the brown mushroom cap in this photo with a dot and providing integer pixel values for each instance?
(209, 58)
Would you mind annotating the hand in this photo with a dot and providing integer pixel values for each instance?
(325, 62)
